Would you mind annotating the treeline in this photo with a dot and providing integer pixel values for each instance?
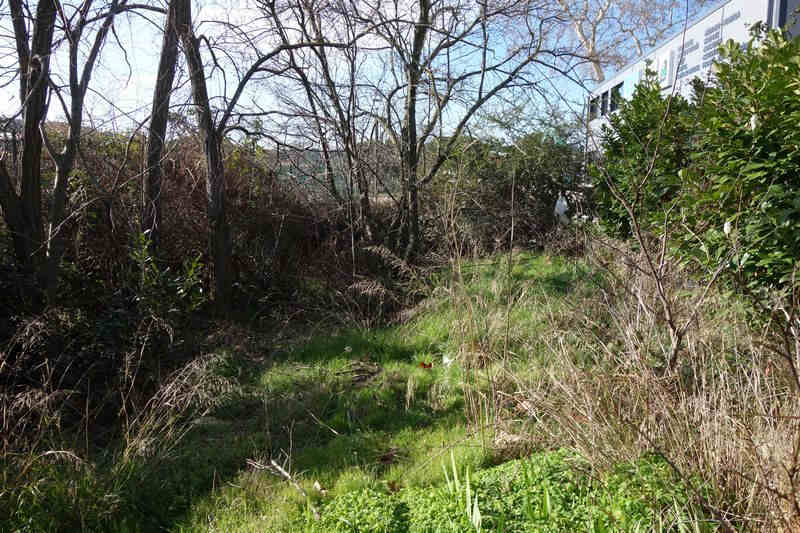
(381, 94)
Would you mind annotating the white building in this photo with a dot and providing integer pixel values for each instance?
(690, 53)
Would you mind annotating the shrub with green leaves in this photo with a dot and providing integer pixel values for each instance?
(163, 292)
(646, 144)
(719, 174)
(741, 196)
(475, 185)
(362, 510)
(546, 492)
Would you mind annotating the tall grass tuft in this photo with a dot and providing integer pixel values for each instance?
(724, 417)
(60, 472)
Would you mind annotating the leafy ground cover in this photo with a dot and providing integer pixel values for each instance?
(545, 492)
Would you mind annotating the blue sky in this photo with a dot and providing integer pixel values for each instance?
(124, 79)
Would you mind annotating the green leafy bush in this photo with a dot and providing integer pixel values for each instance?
(474, 189)
(546, 492)
(365, 510)
(741, 196)
(720, 174)
(161, 291)
(646, 144)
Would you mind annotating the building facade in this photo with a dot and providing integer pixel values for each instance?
(690, 53)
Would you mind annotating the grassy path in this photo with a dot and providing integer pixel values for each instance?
(420, 427)
(379, 430)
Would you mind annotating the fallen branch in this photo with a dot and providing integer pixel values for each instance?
(274, 468)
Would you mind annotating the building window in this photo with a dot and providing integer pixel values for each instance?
(594, 106)
(616, 97)
(604, 104)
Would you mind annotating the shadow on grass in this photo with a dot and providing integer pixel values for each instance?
(353, 400)
(363, 404)
(560, 283)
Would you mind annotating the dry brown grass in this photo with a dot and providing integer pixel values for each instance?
(54, 416)
(725, 416)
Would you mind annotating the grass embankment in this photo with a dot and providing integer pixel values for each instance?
(396, 429)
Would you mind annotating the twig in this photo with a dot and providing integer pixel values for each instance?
(274, 468)
(321, 423)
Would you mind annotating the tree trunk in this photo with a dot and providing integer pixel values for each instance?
(219, 240)
(365, 207)
(413, 217)
(14, 216)
(410, 150)
(151, 182)
(219, 237)
(23, 212)
(58, 208)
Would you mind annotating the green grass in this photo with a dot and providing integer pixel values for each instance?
(365, 429)
(353, 411)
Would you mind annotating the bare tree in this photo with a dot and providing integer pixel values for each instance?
(415, 72)
(38, 253)
(448, 60)
(612, 32)
(331, 84)
(247, 62)
(219, 240)
(319, 102)
(74, 23)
